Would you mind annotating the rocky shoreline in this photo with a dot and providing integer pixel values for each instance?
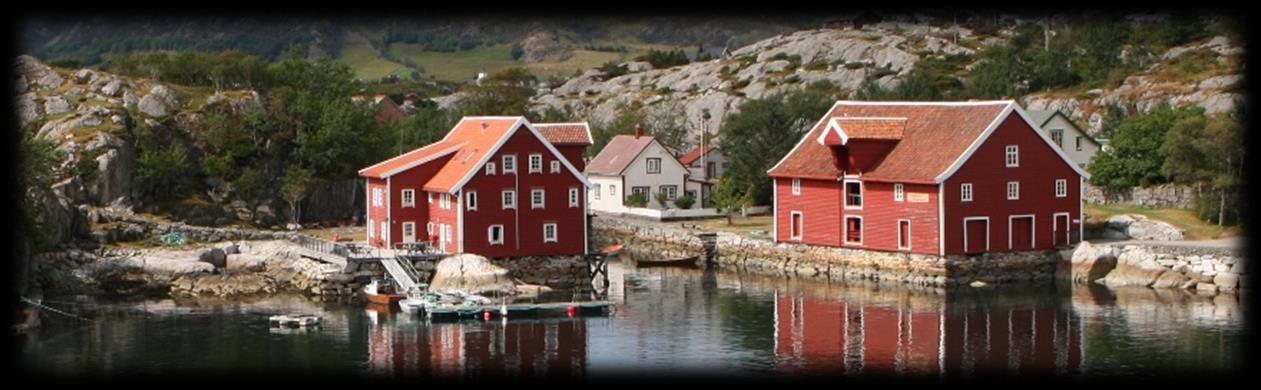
(1207, 271)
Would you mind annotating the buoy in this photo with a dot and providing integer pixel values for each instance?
(572, 311)
(486, 315)
(503, 310)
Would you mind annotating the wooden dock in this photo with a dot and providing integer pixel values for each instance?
(520, 310)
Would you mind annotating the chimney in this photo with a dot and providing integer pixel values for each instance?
(639, 131)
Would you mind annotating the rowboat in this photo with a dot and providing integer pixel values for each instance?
(381, 292)
(680, 262)
(611, 250)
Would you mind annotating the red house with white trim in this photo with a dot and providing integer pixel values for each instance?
(937, 178)
(493, 186)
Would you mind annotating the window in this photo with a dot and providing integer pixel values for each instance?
(409, 231)
(573, 197)
(1013, 156)
(1013, 190)
(654, 165)
(672, 192)
(495, 233)
(448, 229)
(597, 192)
(445, 202)
(853, 195)
(429, 228)
(536, 199)
(471, 202)
(1061, 188)
(691, 193)
(641, 190)
(490, 168)
(904, 234)
(1079, 143)
(711, 170)
(965, 192)
(536, 163)
(549, 232)
(555, 166)
(612, 189)
(385, 231)
(1057, 136)
(370, 229)
(854, 230)
(409, 198)
(796, 186)
(899, 193)
(795, 226)
(509, 199)
(377, 197)
(510, 164)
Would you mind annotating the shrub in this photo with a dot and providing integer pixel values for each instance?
(661, 199)
(637, 199)
(685, 202)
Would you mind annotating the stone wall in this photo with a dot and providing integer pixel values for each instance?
(564, 272)
(642, 238)
(1162, 196)
(1204, 270)
(110, 227)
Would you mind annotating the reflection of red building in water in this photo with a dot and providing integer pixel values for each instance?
(831, 337)
(524, 349)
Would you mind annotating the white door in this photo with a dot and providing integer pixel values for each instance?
(409, 232)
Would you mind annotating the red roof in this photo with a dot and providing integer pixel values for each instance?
(566, 133)
(618, 154)
(840, 130)
(695, 154)
(934, 136)
(410, 159)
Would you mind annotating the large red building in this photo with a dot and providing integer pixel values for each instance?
(939, 178)
(494, 186)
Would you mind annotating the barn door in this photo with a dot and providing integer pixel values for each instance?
(1060, 230)
(1021, 233)
(976, 232)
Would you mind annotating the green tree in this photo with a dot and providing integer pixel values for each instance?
(1206, 152)
(37, 162)
(729, 198)
(295, 186)
(684, 202)
(1135, 158)
(163, 174)
(662, 199)
(506, 92)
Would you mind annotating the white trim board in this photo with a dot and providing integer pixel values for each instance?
(827, 114)
(908, 234)
(862, 230)
(791, 237)
(1068, 231)
(503, 139)
(976, 144)
(1033, 230)
(965, 232)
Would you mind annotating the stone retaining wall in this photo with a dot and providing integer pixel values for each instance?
(564, 272)
(648, 239)
(1204, 270)
(1162, 196)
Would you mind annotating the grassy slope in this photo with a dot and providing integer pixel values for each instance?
(1194, 228)
(364, 61)
(462, 66)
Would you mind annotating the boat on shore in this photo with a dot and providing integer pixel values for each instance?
(611, 250)
(382, 292)
(689, 262)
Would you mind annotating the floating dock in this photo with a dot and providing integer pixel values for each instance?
(519, 310)
(294, 321)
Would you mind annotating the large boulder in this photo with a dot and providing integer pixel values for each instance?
(160, 102)
(1092, 262)
(1136, 266)
(1139, 227)
(215, 257)
(472, 274)
(54, 105)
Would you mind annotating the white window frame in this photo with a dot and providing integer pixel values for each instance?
(673, 192)
(536, 163)
(648, 165)
(555, 166)
(899, 192)
(906, 239)
(1059, 141)
(369, 230)
(965, 232)
(1013, 190)
(510, 164)
(796, 186)
(385, 232)
(862, 227)
(965, 192)
(539, 202)
(845, 193)
(409, 226)
(612, 189)
(573, 197)
(429, 228)
(508, 199)
(597, 191)
(555, 232)
(378, 197)
(1012, 153)
(470, 201)
(409, 197)
(1061, 188)
(800, 232)
(490, 168)
(490, 234)
(1079, 143)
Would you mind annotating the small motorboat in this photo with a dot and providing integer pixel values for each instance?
(690, 262)
(381, 291)
(611, 250)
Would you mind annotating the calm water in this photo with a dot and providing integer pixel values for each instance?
(673, 321)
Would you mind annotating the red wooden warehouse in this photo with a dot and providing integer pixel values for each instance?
(493, 186)
(939, 178)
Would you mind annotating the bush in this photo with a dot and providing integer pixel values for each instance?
(637, 199)
(664, 59)
(517, 51)
(612, 69)
(685, 202)
(661, 199)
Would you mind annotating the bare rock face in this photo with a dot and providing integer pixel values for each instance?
(159, 102)
(1091, 262)
(54, 105)
(1135, 268)
(1139, 227)
(543, 46)
(472, 274)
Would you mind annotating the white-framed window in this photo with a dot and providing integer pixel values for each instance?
(899, 193)
(409, 197)
(549, 232)
(445, 201)
(1013, 190)
(672, 192)
(1057, 136)
(430, 196)
(509, 199)
(854, 194)
(369, 225)
(385, 231)
(409, 232)
(642, 190)
(1013, 156)
(1079, 143)
(597, 191)
(471, 201)
(510, 164)
(795, 225)
(965, 192)
(495, 234)
(555, 166)
(612, 189)
(573, 197)
(536, 198)
(536, 163)
(653, 164)
(490, 168)
(1061, 188)
(796, 186)
(448, 230)
(904, 234)
(378, 197)
(429, 228)
(853, 230)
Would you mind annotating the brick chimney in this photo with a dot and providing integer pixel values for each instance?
(639, 131)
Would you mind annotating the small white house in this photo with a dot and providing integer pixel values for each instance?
(1079, 146)
(631, 164)
(705, 168)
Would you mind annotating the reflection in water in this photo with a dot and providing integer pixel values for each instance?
(673, 321)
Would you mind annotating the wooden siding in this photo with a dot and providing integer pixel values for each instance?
(414, 179)
(820, 206)
(881, 214)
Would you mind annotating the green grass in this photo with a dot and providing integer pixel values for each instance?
(366, 64)
(739, 224)
(1193, 228)
(462, 66)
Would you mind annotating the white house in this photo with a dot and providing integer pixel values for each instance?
(631, 164)
(705, 167)
(1079, 146)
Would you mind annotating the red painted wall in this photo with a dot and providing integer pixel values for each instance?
(820, 206)
(439, 216)
(881, 213)
(414, 179)
(862, 155)
(573, 153)
(523, 227)
(376, 214)
(1039, 168)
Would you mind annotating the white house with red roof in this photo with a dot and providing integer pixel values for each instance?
(636, 163)
(493, 186)
(705, 166)
(938, 178)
